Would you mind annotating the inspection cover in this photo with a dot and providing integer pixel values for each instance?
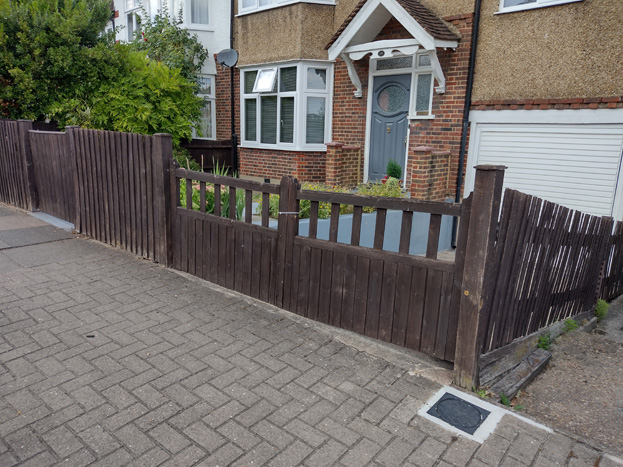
(467, 415)
(459, 413)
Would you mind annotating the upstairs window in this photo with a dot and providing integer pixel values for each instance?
(207, 125)
(251, 6)
(286, 106)
(195, 13)
(507, 6)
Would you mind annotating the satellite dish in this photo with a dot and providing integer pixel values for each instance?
(227, 57)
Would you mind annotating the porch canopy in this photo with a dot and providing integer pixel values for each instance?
(355, 38)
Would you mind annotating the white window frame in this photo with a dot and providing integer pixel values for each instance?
(300, 106)
(209, 97)
(133, 14)
(186, 15)
(277, 3)
(415, 71)
(533, 5)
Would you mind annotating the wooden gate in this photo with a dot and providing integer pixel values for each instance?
(408, 300)
(54, 173)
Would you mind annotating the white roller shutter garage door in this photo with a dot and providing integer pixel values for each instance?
(573, 164)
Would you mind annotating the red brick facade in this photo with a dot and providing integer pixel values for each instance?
(614, 102)
(274, 164)
(223, 103)
(344, 166)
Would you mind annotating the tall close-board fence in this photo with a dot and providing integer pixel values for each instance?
(15, 165)
(545, 266)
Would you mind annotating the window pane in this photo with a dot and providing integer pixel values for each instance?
(268, 120)
(392, 98)
(316, 78)
(422, 102)
(314, 128)
(517, 2)
(394, 63)
(287, 120)
(205, 85)
(248, 3)
(206, 121)
(250, 119)
(423, 60)
(249, 81)
(267, 2)
(265, 80)
(199, 12)
(130, 26)
(287, 79)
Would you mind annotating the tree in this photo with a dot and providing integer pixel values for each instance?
(51, 50)
(165, 41)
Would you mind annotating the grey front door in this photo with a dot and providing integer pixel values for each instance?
(388, 132)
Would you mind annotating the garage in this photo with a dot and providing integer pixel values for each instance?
(570, 157)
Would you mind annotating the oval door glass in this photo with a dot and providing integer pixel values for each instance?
(392, 98)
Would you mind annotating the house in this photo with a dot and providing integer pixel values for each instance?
(208, 19)
(547, 100)
(330, 91)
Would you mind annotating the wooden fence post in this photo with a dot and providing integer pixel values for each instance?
(32, 195)
(71, 144)
(287, 230)
(478, 256)
(162, 155)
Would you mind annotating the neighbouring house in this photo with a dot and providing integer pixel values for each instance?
(547, 100)
(208, 19)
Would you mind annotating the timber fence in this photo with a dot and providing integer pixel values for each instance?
(536, 263)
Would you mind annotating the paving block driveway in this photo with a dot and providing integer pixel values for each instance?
(106, 359)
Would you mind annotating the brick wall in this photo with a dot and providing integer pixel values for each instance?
(614, 102)
(344, 165)
(273, 164)
(223, 103)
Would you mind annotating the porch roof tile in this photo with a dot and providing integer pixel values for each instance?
(434, 25)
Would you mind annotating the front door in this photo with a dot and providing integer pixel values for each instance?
(388, 132)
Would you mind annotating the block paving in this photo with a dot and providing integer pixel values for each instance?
(109, 360)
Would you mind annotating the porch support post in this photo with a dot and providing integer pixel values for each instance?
(478, 254)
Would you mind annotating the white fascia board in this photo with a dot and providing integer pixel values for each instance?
(566, 116)
(386, 44)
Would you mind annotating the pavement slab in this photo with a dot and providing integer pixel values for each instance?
(108, 359)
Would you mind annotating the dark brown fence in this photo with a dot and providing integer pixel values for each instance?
(122, 186)
(207, 153)
(612, 282)
(16, 184)
(54, 173)
(545, 267)
(407, 300)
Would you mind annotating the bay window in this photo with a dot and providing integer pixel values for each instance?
(285, 106)
(251, 6)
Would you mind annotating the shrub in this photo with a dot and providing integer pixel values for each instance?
(324, 209)
(545, 341)
(391, 189)
(570, 325)
(196, 200)
(601, 309)
(393, 169)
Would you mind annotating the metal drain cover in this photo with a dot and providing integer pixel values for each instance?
(460, 414)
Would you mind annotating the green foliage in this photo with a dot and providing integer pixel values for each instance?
(504, 399)
(324, 209)
(601, 309)
(164, 40)
(482, 393)
(182, 156)
(545, 341)
(391, 189)
(393, 169)
(196, 200)
(147, 97)
(51, 51)
(570, 325)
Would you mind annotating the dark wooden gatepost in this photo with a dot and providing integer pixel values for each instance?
(485, 208)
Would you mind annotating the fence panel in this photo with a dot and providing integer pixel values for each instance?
(612, 283)
(121, 190)
(545, 268)
(54, 173)
(411, 301)
(15, 186)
